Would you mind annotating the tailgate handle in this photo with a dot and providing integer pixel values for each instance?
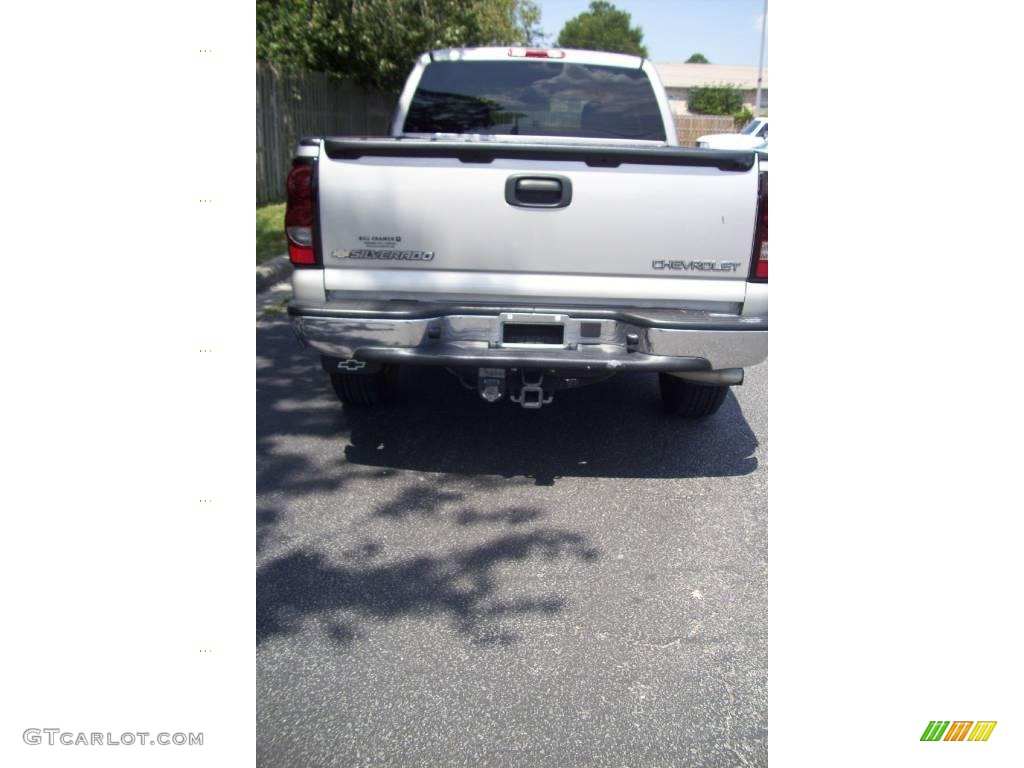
(530, 191)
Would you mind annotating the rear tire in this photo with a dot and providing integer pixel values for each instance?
(363, 389)
(689, 400)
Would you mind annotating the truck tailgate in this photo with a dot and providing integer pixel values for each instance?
(418, 220)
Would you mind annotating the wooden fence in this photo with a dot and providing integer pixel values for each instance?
(292, 105)
(689, 127)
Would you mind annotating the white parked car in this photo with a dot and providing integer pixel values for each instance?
(753, 134)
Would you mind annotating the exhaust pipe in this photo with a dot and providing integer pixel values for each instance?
(726, 377)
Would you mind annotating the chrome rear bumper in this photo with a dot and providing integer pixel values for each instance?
(593, 338)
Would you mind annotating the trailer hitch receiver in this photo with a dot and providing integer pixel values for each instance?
(531, 393)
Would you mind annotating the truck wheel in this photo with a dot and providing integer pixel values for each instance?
(362, 388)
(684, 398)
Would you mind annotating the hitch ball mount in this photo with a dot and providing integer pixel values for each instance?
(492, 387)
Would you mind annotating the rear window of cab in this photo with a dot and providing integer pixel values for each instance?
(535, 98)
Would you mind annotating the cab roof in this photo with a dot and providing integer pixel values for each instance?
(526, 53)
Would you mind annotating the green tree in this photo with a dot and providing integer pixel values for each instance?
(742, 117)
(697, 58)
(715, 100)
(603, 28)
(376, 41)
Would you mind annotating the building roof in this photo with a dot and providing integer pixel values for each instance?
(691, 75)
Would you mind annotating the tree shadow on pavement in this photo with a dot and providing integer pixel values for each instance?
(310, 450)
(460, 584)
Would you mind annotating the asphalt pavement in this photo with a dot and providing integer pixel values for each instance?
(446, 582)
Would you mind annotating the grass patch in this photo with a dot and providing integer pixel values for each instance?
(277, 308)
(270, 240)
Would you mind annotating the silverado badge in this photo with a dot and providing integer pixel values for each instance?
(382, 254)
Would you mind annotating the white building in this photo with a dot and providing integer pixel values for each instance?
(678, 79)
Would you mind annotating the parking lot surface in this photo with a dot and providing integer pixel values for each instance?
(447, 582)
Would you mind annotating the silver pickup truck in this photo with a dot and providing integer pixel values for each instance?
(530, 225)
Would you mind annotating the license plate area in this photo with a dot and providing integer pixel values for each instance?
(533, 330)
(533, 333)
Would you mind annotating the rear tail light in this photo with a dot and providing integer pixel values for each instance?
(298, 219)
(760, 255)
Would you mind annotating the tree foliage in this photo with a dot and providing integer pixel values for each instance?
(603, 28)
(715, 100)
(742, 117)
(376, 41)
(697, 58)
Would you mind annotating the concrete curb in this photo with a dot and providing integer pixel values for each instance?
(272, 272)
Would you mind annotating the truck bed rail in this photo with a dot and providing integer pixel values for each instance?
(487, 151)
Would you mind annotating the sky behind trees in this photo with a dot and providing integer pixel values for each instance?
(726, 31)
